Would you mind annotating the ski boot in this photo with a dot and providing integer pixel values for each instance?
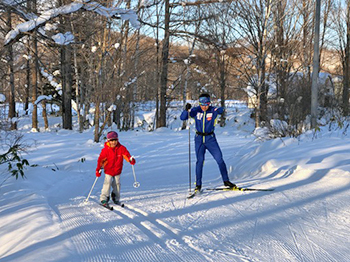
(229, 184)
(105, 204)
(198, 189)
(115, 201)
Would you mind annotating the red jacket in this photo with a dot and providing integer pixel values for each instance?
(111, 159)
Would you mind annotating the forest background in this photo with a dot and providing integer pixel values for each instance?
(100, 59)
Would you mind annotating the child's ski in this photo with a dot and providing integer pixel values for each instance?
(119, 204)
(107, 206)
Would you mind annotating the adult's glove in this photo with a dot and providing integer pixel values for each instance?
(188, 106)
(132, 160)
(98, 172)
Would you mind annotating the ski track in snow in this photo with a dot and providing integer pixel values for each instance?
(162, 242)
(103, 235)
(299, 246)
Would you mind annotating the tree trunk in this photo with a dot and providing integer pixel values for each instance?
(222, 85)
(164, 73)
(67, 78)
(46, 121)
(185, 93)
(28, 83)
(315, 67)
(35, 83)
(66, 88)
(135, 85)
(12, 103)
(264, 91)
(97, 122)
(79, 101)
(346, 67)
(280, 58)
(157, 75)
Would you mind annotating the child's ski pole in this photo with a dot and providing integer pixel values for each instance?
(136, 184)
(87, 199)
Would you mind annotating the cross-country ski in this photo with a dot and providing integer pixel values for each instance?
(194, 193)
(239, 189)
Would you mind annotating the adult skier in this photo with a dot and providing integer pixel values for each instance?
(205, 119)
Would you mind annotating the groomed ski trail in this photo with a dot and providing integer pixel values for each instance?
(127, 234)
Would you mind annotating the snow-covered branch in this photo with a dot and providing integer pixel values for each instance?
(50, 78)
(28, 26)
(42, 98)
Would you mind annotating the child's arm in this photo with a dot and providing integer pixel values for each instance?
(128, 157)
(100, 163)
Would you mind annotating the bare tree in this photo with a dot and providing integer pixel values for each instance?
(342, 28)
(254, 27)
(216, 36)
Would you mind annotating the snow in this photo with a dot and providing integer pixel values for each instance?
(50, 78)
(44, 217)
(2, 98)
(41, 98)
(63, 39)
(112, 108)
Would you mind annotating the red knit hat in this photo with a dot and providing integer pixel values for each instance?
(112, 135)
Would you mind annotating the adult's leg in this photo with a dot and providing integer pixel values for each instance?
(214, 149)
(200, 152)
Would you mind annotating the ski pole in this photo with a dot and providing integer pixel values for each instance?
(189, 152)
(136, 184)
(87, 199)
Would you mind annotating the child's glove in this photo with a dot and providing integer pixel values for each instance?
(132, 160)
(98, 172)
(188, 106)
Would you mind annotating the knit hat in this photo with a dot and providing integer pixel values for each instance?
(112, 135)
(204, 100)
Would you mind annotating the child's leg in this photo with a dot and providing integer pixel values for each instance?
(106, 188)
(116, 189)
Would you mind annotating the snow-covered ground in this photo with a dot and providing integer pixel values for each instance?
(306, 218)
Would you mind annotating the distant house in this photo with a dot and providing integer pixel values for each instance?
(329, 85)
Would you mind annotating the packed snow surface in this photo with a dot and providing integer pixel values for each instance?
(45, 217)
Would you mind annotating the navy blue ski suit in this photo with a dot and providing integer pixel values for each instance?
(205, 139)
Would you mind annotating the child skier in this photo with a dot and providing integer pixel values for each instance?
(205, 119)
(111, 160)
